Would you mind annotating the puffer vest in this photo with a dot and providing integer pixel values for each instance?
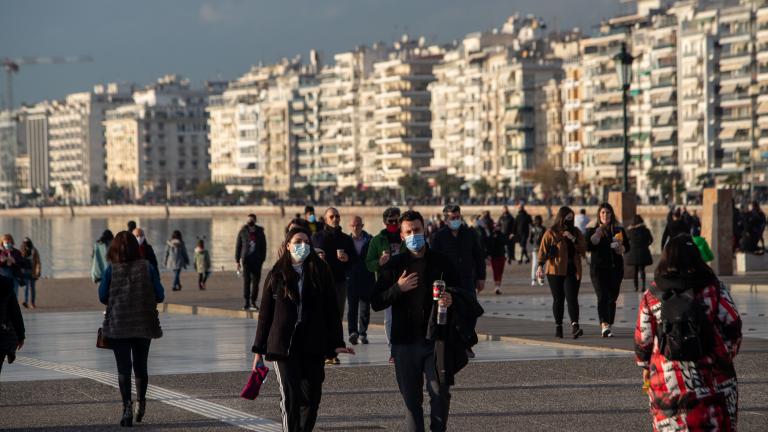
(131, 309)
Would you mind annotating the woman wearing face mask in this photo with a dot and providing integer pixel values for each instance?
(31, 271)
(608, 242)
(11, 262)
(299, 328)
(561, 250)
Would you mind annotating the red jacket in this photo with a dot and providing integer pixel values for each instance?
(700, 395)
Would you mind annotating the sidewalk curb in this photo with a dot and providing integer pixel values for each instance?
(181, 309)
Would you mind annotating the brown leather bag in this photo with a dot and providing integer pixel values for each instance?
(101, 341)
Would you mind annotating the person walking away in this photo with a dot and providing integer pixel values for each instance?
(176, 257)
(695, 224)
(359, 284)
(607, 242)
(460, 244)
(691, 386)
(537, 233)
(383, 246)
(507, 222)
(523, 227)
(559, 257)
(639, 255)
(299, 326)
(250, 254)
(131, 226)
(11, 322)
(202, 264)
(131, 290)
(31, 271)
(99, 255)
(12, 263)
(145, 249)
(496, 246)
(754, 226)
(483, 233)
(582, 221)
(313, 223)
(405, 284)
(675, 226)
(337, 248)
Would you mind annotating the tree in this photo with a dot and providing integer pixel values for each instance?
(414, 186)
(207, 189)
(665, 181)
(505, 189)
(482, 188)
(552, 181)
(113, 192)
(450, 185)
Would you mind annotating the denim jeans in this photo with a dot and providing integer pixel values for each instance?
(29, 288)
(176, 278)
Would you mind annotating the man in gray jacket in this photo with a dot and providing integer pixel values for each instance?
(250, 253)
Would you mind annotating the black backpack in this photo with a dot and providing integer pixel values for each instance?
(685, 333)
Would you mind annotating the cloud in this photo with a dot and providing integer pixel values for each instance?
(210, 13)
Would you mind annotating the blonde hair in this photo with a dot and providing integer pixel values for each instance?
(9, 238)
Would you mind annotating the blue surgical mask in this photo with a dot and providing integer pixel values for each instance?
(300, 251)
(7, 245)
(312, 218)
(414, 242)
(454, 224)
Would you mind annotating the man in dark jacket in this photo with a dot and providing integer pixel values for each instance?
(250, 253)
(336, 249)
(523, 223)
(359, 284)
(507, 222)
(145, 249)
(405, 284)
(313, 224)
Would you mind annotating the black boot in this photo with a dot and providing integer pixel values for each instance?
(124, 381)
(141, 398)
(559, 331)
(576, 330)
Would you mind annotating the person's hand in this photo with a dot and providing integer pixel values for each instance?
(19, 345)
(345, 350)
(569, 236)
(343, 257)
(239, 267)
(445, 300)
(540, 272)
(511, 236)
(646, 374)
(479, 285)
(320, 253)
(384, 258)
(257, 360)
(409, 282)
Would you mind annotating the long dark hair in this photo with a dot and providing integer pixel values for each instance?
(606, 205)
(176, 235)
(124, 248)
(283, 269)
(27, 247)
(559, 223)
(681, 258)
(106, 237)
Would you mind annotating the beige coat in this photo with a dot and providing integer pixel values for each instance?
(558, 265)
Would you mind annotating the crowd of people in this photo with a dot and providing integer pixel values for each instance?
(425, 274)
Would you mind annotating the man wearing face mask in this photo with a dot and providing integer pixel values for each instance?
(250, 253)
(405, 283)
(314, 224)
(145, 249)
(461, 245)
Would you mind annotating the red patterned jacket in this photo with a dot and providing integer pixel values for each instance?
(700, 395)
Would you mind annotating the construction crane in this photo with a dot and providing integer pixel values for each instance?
(11, 66)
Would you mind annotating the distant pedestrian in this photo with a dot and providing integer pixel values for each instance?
(145, 249)
(692, 386)
(299, 326)
(507, 222)
(537, 233)
(131, 290)
(250, 254)
(559, 257)
(202, 264)
(297, 223)
(754, 226)
(131, 226)
(523, 231)
(313, 223)
(11, 322)
(12, 264)
(176, 257)
(385, 245)
(99, 255)
(639, 255)
(359, 284)
(608, 242)
(675, 225)
(695, 224)
(31, 271)
(582, 221)
(495, 249)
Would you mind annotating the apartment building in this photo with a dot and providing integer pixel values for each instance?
(8, 146)
(159, 143)
(34, 121)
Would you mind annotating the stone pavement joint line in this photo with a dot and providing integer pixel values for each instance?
(179, 400)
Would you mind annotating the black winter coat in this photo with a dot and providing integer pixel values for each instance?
(495, 244)
(464, 253)
(640, 240)
(523, 225)
(329, 240)
(603, 257)
(360, 281)
(11, 321)
(412, 310)
(242, 248)
(279, 315)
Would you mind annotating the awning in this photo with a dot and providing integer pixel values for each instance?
(664, 118)
(731, 66)
(728, 88)
(663, 135)
(613, 157)
(762, 108)
(727, 133)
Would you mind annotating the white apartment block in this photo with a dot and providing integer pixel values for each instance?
(8, 147)
(159, 143)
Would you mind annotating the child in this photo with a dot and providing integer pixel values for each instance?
(202, 264)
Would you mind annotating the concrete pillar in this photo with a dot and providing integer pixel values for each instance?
(717, 228)
(625, 206)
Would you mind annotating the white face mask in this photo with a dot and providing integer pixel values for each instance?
(140, 239)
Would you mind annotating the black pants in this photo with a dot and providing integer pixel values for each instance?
(131, 353)
(300, 379)
(511, 250)
(414, 362)
(251, 279)
(358, 313)
(524, 248)
(341, 296)
(639, 273)
(607, 284)
(203, 277)
(564, 288)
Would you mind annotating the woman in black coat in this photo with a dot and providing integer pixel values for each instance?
(639, 255)
(11, 322)
(299, 328)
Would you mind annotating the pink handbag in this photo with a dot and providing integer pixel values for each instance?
(255, 380)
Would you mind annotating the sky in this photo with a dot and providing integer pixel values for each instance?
(141, 40)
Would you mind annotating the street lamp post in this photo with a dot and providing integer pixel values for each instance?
(623, 61)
